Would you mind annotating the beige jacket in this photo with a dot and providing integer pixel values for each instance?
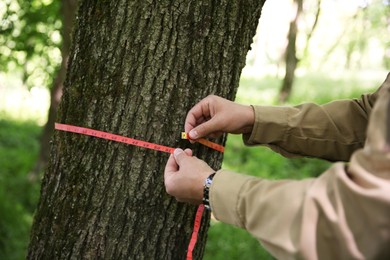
(344, 213)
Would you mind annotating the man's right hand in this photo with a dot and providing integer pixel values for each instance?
(214, 115)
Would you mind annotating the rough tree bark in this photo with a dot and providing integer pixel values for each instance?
(68, 11)
(290, 54)
(135, 69)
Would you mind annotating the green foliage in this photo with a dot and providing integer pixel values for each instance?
(263, 162)
(370, 22)
(18, 195)
(30, 39)
(228, 242)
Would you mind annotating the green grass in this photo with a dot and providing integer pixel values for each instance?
(18, 195)
(228, 242)
(19, 149)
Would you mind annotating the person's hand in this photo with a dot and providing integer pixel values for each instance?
(214, 115)
(184, 176)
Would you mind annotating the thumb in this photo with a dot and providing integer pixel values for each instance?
(203, 129)
(180, 156)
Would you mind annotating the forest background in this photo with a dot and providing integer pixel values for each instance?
(341, 49)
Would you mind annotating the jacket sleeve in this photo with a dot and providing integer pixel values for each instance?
(331, 131)
(343, 214)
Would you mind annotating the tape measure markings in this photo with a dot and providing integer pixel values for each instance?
(205, 142)
(113, 137)
(132, 141)
(194, 237)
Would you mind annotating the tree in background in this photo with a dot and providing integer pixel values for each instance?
(365, 35)
(371, 20)
(135, 69)
(29, 47)
(30, 39)
(291, 59)
(290, 54)
(309, 33)
(32, 34)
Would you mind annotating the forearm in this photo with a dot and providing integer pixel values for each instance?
(315, 218)
(332, 131)
(343, 214)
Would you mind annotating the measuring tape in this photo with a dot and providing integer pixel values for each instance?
(132, 141)
(112, 137)
(195, 231)
(205, 142)
(148, 145)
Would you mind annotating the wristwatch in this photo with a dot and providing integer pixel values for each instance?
(206, 189)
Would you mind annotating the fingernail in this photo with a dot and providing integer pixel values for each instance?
(177, 151)
(193, 134)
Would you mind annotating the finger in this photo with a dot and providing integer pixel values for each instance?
(192, 120)
(179, 156)
(197, 115)
(188, 151)
(204, 129)
(216, 134)
(171, 166)
(190, 123)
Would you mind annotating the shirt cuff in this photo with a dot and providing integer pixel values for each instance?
(225, 194)
(270, 125)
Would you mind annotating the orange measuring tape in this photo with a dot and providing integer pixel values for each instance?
(205, 142)
(152, 146)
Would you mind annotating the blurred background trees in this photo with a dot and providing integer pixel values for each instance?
(35, 41)
(30, 40)
(290, 53)
(342, 49)
(34, 47)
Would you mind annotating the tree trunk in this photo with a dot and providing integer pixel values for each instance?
(312, 29)
(291, 55)
(68, 11)
(135, 69)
